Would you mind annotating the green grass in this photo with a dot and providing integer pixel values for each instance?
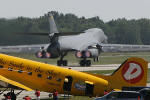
(105, 58)
(117, 58)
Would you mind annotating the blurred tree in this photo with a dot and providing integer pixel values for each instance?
(118, 31)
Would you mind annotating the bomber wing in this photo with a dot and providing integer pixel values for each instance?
(4, 79)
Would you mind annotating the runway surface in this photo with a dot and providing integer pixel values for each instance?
(97, 67)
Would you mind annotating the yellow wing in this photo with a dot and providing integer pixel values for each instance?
(14, 83)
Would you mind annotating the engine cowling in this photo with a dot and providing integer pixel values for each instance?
(90, 53)
(39, 54)
(87, 54)
(94, 52)
(43, 54)
(47, 55)
(78, 54)
(83, 54)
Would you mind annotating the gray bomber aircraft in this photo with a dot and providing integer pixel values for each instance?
(85, 44)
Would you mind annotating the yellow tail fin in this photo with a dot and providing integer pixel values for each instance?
(133, 72)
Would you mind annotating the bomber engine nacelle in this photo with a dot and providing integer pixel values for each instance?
(94, 52)
(45, 54)
(51, 51)
(48, 53)
(90, 53)
(83, 54)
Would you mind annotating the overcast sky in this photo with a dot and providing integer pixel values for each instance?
(105, 9)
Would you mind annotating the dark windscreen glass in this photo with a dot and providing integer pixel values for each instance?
(129, 95)
(113, 95)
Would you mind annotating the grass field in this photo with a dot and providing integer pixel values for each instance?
(105, 58)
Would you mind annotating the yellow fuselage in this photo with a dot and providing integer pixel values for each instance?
(46, 77)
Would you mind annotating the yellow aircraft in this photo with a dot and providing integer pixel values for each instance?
(31, 75)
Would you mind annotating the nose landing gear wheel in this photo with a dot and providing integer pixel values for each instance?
(85, 63)
(62, 63)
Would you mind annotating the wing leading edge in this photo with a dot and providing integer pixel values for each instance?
(4, 79)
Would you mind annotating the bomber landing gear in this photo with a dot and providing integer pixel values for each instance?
(96, 59)
(85, 62)
(62, 62)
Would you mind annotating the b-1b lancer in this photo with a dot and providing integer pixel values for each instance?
(85, 44)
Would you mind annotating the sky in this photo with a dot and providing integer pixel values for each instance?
(105, 9)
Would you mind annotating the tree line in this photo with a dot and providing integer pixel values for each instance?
(119, 31)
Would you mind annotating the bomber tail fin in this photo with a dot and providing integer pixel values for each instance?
(53, 27)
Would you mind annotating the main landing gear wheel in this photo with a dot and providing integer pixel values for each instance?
(96, 59)
(62, 63)
(85, 63)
